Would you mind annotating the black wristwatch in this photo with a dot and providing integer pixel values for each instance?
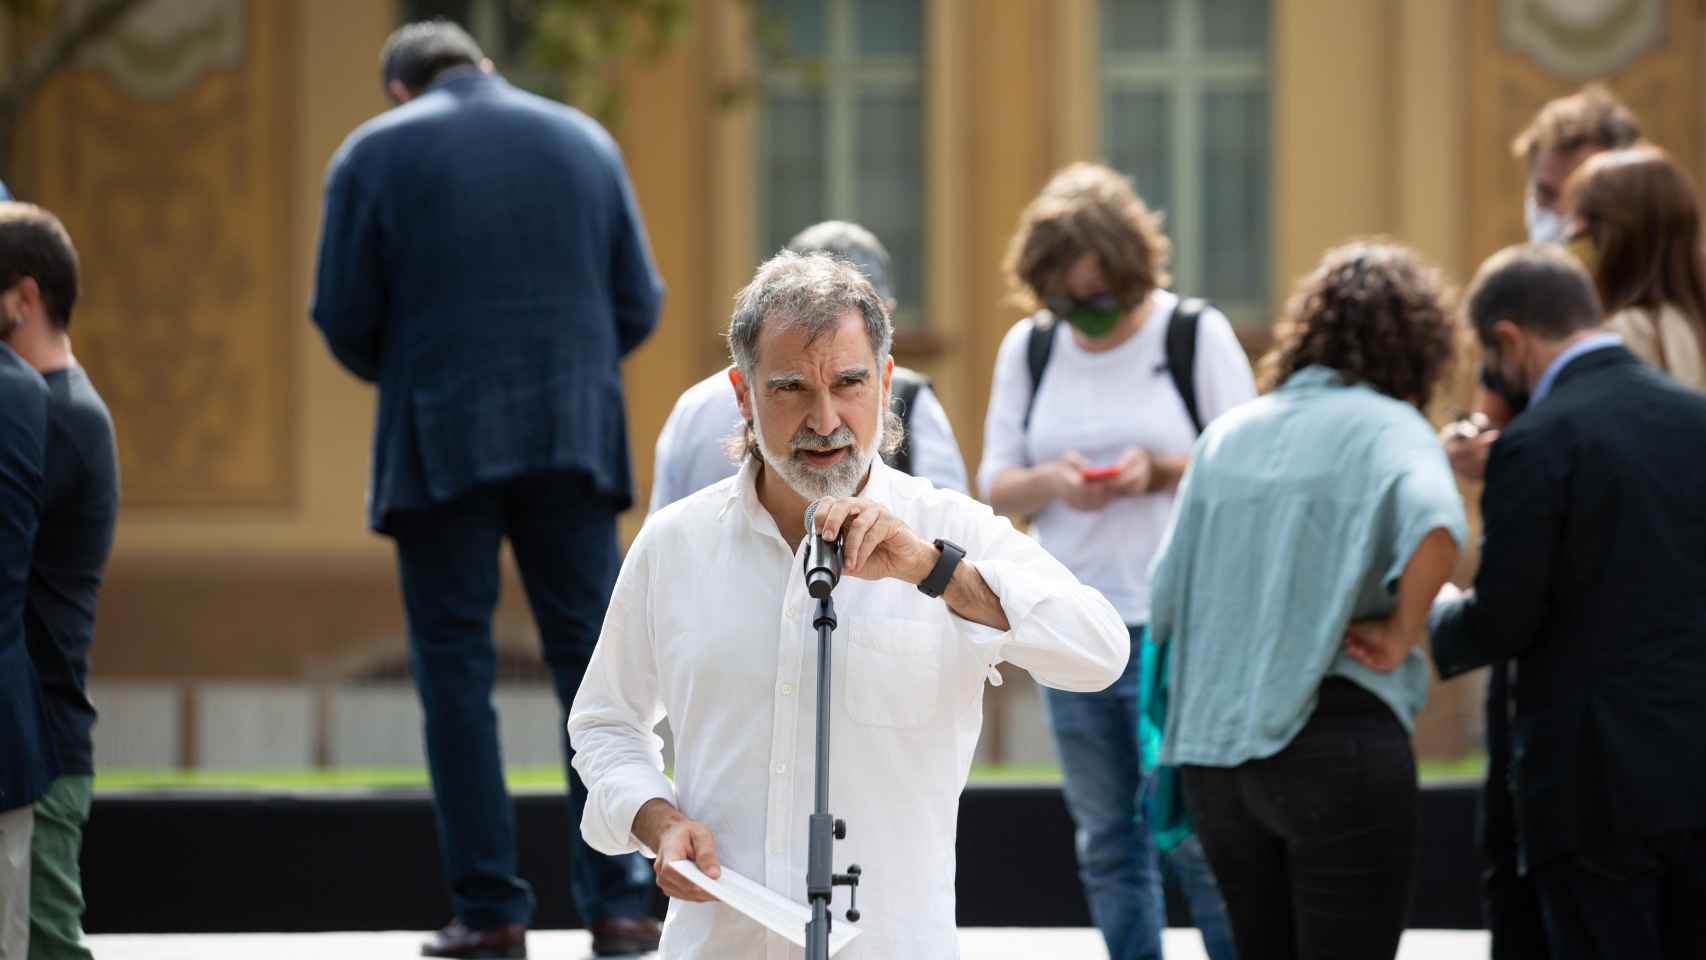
(936, 583)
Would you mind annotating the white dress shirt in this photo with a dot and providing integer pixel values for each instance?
(710, 625)
(691, 454)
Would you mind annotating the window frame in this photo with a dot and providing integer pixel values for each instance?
(1185, 71)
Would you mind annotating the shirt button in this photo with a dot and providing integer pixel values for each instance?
(787, 689)
(781, 768)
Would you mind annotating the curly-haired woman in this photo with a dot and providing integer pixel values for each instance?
(1090, 426)
(1319, 515)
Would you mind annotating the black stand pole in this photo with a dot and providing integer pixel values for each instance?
(824, 830)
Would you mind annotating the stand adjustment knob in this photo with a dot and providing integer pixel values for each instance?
(840, 829)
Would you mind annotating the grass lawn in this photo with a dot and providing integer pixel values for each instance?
(551, 778)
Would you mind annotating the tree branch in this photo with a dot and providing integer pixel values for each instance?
(57, 49)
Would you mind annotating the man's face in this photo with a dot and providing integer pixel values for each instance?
(1548, 171)
(816, 407)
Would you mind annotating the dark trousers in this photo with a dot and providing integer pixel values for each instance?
(1512, 903)
(1315, 846)
(1636, 898)
(564, 539)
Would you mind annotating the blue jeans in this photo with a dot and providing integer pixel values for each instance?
(564, 539)
(1096, 735)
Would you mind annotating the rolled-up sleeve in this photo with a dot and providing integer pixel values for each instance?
(617, 754)
(1065, 634)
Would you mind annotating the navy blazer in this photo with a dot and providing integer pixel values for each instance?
(483, 260)
(1593, 576)
(26, 759)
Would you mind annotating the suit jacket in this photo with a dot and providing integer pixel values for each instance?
(26, 758)
(1593, 576)
(483, 260)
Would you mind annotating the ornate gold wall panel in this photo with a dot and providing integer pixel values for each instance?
(181, 206)
(1507, 86)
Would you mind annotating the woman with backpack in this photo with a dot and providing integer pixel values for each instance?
(1098, 397)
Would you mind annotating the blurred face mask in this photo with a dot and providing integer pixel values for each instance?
(1095, 317)
(1544, 226)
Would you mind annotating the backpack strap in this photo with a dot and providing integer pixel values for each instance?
(1038, 347)
(1182, 354)
(906, 384)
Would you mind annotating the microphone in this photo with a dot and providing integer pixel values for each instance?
(823, 558)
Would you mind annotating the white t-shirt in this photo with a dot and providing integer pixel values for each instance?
(1101, 405)
(691, 454)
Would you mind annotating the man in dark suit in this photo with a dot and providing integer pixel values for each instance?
(483, 260)
(27, 765)
(1593, 578)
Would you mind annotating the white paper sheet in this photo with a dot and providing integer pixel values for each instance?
(765, 905)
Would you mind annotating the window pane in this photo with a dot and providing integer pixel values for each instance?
(1235, 196)
(801, 23)
(889, 185)
(792, 175)
(889, 28)
(1235, 26)
(1137, 128)
(1136, 26)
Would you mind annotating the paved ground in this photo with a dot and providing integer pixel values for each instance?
(976, 944)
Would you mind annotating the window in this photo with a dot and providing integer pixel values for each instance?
(841, 129)
(502, 28)
(1185, 115)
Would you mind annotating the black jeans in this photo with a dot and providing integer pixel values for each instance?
(564, 539)
(1634, 898)
(1315, 846)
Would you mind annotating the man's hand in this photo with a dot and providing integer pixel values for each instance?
(875, 545)
(674, 837)
(1377, 644)
(1468, 444)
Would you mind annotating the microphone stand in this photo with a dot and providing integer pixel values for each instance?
(823, 830)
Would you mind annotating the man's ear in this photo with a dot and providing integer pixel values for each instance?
(742, 398)
(888, 372)
(399, 93)
(486, 66)
(1508, 337)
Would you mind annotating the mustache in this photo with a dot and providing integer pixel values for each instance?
(807, 439)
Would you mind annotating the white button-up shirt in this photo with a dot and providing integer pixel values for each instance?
(710, 624)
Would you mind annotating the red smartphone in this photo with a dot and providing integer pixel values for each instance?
(1099, 473)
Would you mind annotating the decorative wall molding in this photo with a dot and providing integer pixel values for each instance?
(163, 46)
(1582, 39)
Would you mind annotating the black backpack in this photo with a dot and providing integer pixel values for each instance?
(1181, 355)
(905, 385)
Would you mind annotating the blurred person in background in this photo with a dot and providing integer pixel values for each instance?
(79, 509)
(1591, 565)
(27, 764)
(1097, 399)
(1327, 506)
(692, 448)
(482, 259)
(1563, 135)
(1635, 225)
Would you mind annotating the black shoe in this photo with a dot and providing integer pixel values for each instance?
(625, 936)
(461, 943)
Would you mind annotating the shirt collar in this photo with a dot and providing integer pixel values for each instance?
(1313, 376)
(1598, 341)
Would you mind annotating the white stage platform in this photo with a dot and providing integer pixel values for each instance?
(975, 944)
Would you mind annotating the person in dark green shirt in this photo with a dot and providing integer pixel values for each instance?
(79, 507)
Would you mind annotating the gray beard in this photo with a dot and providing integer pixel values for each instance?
(811, 483)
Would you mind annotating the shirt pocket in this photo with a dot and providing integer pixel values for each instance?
(894, 672)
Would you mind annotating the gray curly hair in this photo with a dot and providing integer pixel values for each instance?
(812, 292)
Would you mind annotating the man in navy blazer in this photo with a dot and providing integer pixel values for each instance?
(1593, 578)
(482, 259)
(27, 763)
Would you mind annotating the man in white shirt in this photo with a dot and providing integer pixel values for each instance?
(692, 448)
(710, 625)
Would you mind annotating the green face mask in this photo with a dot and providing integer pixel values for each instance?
(1095, 317)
